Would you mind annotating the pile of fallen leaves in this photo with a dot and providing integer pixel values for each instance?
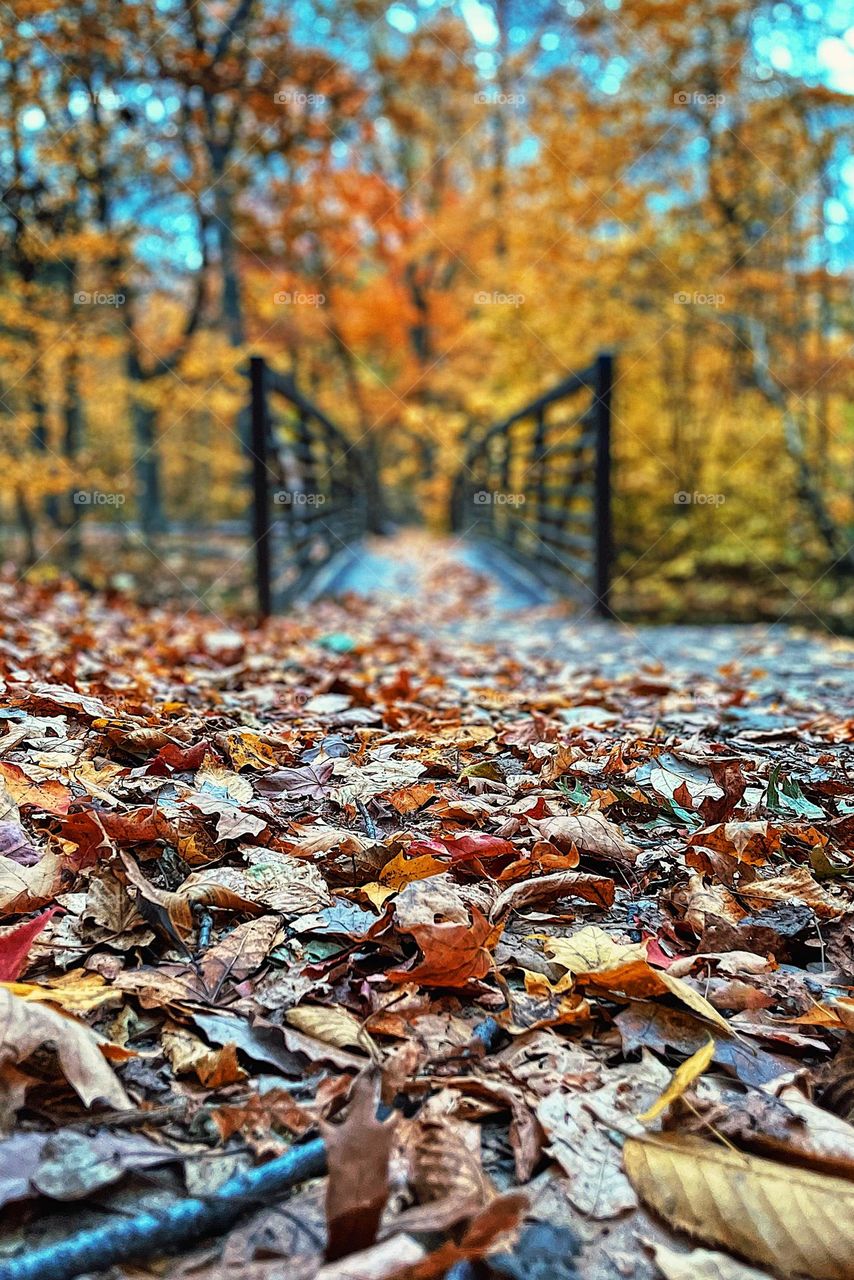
(257, 882)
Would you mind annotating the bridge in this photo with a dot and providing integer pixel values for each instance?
(530, 504)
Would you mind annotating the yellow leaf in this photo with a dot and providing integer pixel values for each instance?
(248, 751)
(593, 957)
(793, 1221)
(331, 1026)
(592, 950)
(77, 991)
(400, 872)
(695, 1002)
(683, 1076)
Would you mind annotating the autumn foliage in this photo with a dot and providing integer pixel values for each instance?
(428, 224)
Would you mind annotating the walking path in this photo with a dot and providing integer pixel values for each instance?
(474, 593)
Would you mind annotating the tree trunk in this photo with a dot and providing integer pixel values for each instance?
(72, 413)
(147, 469)
(232, 307)
(809, 489)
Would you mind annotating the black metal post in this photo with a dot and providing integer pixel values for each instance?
(603, 384)
(259, 439)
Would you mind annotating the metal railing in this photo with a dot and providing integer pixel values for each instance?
(309, 487)
(539, 483)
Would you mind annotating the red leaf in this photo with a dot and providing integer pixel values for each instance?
(15, 944)
(173, 757)
(479, 845)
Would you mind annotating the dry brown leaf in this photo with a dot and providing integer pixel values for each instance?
(592, 832)
(186, 1052)
(794, 1221)
(750, 842)
(378, 1262)
(256, 1116)
(49, 795)
(178, 907)
(444, 1166)
(408, 799)
(358, 1153)
(27, 888)
(561, 884)
(581, 1126)
(241, 952)
(453, 953)
(797, 885)
(29, 1025)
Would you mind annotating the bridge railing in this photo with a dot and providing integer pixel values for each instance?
(539, 483)
(309, 487)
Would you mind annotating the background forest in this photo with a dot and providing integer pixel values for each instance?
(429, 212)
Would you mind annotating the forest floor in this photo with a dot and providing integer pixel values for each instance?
(256, 880)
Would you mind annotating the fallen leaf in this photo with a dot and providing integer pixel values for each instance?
(701, 1264)
(794, 1221)
(683, 1077)
(49, 795)
(331, 1025)
(453, 953)
(15, 943)
(358, 1153)
(592, 832)
(592, 956)
(408, 799)
(241, 952)
(26, 1026)
(561, 884)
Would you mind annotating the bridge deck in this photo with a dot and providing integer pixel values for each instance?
(442, 577)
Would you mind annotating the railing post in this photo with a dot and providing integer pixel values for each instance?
(259, 444)
(538, 463)
(602, 483)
